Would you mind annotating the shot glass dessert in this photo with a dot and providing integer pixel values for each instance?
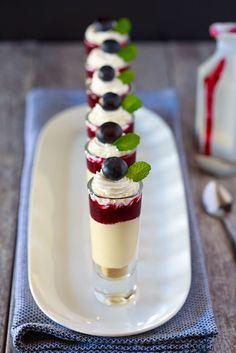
(106, 80)
(115, 206)
(110, 141)
(110, 53)
(112, 108)
(105, 28)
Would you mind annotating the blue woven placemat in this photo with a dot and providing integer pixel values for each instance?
(191, 330)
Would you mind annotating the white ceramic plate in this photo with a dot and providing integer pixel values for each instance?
(60, 269)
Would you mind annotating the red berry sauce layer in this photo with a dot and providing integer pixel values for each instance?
(94, 164)
(89, 46)
(113, 213)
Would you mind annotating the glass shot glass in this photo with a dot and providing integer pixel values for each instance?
(114, 232)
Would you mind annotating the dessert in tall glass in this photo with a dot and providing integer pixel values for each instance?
(110, 53)
(105, 28)
(110, 141)
(112, 108)
(115, 195)
(106, 80)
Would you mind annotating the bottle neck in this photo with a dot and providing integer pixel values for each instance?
(227, 44)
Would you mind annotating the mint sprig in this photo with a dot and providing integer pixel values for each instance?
(127, 76)
(131, 103)
(127, 142)
(128, 53)
(138, 171)
(123, 26)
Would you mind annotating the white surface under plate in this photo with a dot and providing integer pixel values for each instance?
(60, 269)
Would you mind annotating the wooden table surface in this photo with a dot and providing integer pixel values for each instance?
(159, 65)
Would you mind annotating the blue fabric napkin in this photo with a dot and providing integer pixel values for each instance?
(191, 330)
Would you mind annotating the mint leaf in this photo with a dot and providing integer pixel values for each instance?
(127, 142)
(123, 26)
(127, 76)
(131, 103)
(128, 53)
(138, 171)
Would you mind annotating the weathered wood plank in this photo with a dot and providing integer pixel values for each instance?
(60, 65)
(183, 62)
(16, 62)
(150, 67)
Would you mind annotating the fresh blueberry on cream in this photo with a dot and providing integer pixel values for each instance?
(106, 73)
(114, 168)
(110, 46)
(111, 101)
(109, 132)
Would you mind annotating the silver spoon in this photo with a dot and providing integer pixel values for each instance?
(217, 202)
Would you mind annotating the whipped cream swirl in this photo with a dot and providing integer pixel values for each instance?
(98, 58)
(101, 87)
(99, 116)
(104, 150)
(97, 37)
(120, 192)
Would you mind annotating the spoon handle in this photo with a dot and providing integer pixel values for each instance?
(231, 232)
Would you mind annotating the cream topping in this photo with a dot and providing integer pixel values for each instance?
(99, 116)
(97, 37)
(106, 188)
(98, 58)
(104, 150)
(101, 87)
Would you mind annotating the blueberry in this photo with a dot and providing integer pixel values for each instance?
(110, 46)
(106, 73)
(111, 101)
(109, 132)
(104, 24)
(114, 168)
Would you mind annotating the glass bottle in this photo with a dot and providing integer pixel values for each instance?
(215, 123)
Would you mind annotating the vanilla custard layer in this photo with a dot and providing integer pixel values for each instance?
(114, 245)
